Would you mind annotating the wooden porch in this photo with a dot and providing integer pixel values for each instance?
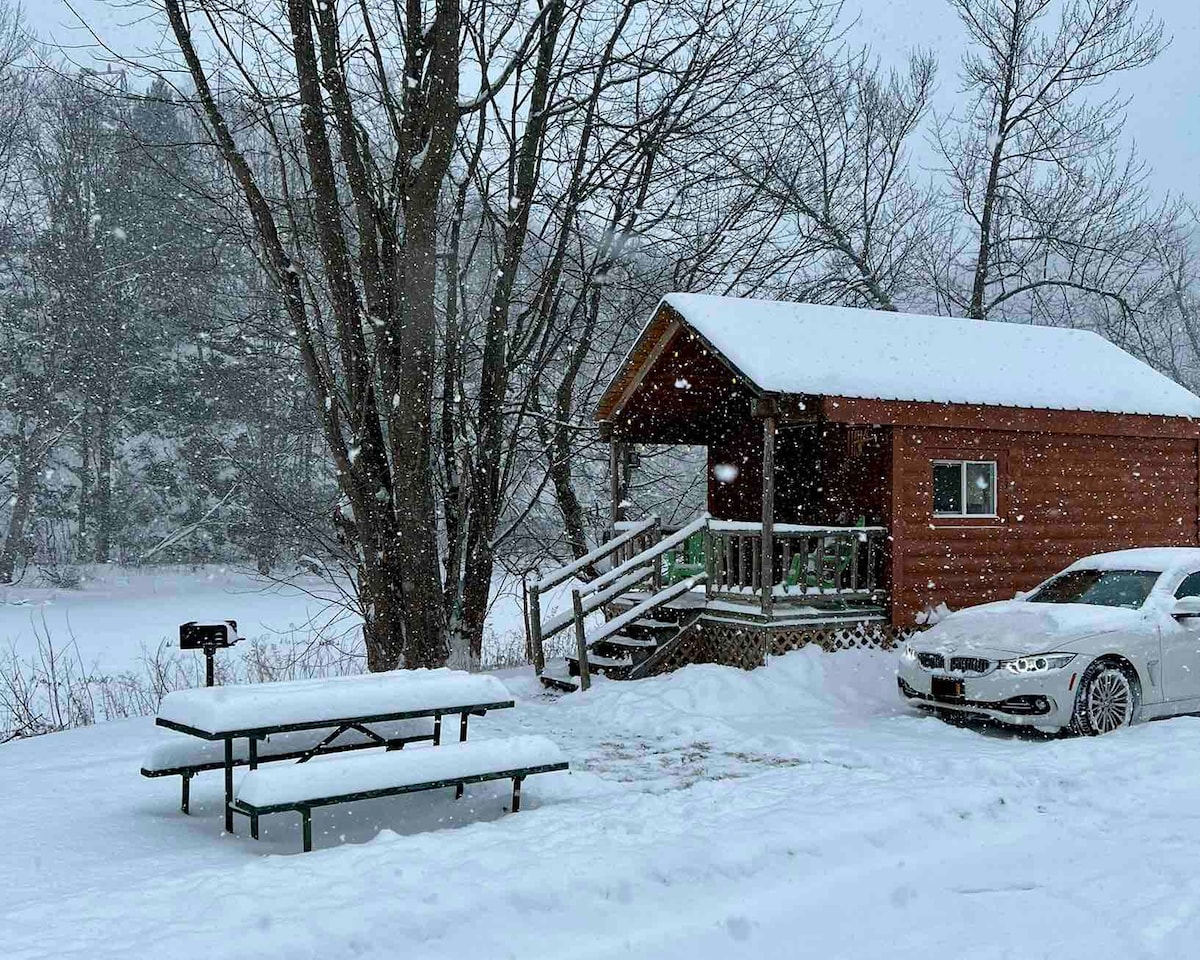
(661, 584)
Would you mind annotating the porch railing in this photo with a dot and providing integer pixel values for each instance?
(808, 562)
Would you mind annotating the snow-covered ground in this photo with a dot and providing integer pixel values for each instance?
(120, 615)
(794, 811)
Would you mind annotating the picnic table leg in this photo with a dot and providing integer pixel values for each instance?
(185, 800)
(462, 728)
(306, 823)
(229, 784)
(437, 730)
(516, 801)
(458, 792)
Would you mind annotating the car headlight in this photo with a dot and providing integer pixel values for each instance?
(1037, 664)
(908, 654)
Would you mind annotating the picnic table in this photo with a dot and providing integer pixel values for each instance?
(366, 707)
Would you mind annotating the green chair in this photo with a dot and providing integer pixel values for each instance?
(837, 559)
(686, 560)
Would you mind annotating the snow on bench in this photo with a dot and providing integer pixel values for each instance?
(218, 712)
(362, 777)
(178, 753)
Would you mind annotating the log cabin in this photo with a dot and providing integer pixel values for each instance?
(866, 470)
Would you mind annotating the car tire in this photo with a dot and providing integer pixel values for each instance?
(1106, 699)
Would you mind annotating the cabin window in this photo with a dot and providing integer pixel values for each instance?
(964, 488)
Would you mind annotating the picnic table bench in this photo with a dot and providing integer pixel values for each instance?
(319, 716)
(345, 779)
(184, 756)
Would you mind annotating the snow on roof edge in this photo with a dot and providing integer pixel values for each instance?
(935, 359)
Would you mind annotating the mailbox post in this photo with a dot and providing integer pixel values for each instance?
(209, 637)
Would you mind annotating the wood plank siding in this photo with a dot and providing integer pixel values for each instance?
(1059, 497)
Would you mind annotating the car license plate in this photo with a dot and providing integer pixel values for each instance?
(947, 688)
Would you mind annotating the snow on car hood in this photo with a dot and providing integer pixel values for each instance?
(1020, 627)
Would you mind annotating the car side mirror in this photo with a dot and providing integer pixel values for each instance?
(1186, 607)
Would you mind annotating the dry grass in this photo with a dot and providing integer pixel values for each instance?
(55, 690)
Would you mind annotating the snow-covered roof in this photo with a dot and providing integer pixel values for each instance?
(801, 348)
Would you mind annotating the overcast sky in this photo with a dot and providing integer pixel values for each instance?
(1164, 116)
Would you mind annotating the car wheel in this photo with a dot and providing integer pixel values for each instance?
(1106, 700)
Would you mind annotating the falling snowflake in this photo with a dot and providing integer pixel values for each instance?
(725, 472)
(682, 384)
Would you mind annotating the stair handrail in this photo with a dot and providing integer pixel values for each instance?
(649, 554)
(594, 601)
(533, 591)
(647, 560)
(647, 606)
(645, 563)
(636, 612)
(599, 553)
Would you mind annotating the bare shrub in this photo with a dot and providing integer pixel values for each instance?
(53, 689)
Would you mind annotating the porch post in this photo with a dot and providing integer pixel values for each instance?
(767, 566)
(615, 463)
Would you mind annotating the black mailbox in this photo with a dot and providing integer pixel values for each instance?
(207, 636)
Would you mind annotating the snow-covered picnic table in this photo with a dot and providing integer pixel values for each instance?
(366, 709)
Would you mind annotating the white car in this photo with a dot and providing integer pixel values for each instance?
(1111, 640)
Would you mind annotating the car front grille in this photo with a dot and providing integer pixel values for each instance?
(970, 664)
(931, 661)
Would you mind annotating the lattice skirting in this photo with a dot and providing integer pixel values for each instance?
(735, 645)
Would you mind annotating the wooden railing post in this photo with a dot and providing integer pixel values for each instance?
(710, 563)
(533, 627)
(655, 537)
(767, 565)
(585, 679)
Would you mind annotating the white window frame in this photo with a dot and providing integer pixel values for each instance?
(962, 495)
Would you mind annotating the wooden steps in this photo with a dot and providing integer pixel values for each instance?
(614, 669)
(615, 656)
(556, 677)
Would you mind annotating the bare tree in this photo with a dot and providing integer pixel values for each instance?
(1050, 210)
(831, 156)
(565, 186)
(374, 116)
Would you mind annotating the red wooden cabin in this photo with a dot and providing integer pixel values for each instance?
(872, 466)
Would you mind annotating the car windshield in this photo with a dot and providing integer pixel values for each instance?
(1101, 588)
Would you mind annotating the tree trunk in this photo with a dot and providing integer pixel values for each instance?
(415, 538)
(102, 486)
(485, 490)
(977, 309)
(84, 519)
(379, 592)
(16, 544)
